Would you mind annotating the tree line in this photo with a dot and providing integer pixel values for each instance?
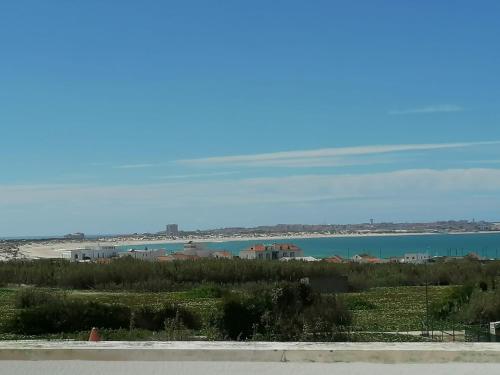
(130, 274)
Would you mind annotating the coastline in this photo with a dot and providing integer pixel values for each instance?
(54, 248)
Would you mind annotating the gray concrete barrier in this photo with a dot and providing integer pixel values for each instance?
(251, 351)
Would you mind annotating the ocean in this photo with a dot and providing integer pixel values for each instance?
(484, 244)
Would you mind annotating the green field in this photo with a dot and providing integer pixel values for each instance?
(392, 309)
(7, 307)
(192, 300)
(377, 310)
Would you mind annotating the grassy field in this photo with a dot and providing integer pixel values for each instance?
(7, 306)
(193, 300)
(392, 309)
(377, 310)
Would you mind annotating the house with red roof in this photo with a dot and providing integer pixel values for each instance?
(273, 251)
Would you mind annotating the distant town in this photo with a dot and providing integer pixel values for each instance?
(172, 231)
(263, 235)
(268, 252)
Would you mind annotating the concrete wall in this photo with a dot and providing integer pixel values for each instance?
(251, 352)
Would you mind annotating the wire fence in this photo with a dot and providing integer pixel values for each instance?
(450, 333)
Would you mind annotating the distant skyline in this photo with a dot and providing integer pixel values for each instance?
(120, 117)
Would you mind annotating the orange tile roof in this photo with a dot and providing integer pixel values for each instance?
(334, 259)
(258, 247)
(274, 246)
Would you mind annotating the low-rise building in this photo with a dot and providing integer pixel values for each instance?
(366, 258)
(334, 259)
(303, 259)
(176, 256)
(149, 255)
(222, 254)
(197, 249)
(271, 252)
(416, 258)
(90, 253)
(75, 236)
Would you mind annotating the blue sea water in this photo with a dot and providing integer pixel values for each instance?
(484, 244)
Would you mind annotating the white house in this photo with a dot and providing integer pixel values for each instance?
(149, 255)
(366, 258)
(197, 249)
(416, 258)
(90, 253)
(304, 259)
(271, 252)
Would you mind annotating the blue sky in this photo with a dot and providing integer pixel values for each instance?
(123, 116)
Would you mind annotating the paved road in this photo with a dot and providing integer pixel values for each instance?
(238, 368)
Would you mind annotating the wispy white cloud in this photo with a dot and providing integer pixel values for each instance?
(410, 194)
(443, 108)
(409, 183)
(487, 161)
(195, 175)
(137, 166)
(341, 156)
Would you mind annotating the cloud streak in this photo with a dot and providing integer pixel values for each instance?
(424, 193)
(136, 166)
(195, 175)
(409, 183)
(341, 156)
(444, 108)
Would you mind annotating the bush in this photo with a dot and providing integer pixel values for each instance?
(239, 317)
(66, 315)
(30, 297)
(155, 318)
(451, 303)
(285, 312)
(482, 307)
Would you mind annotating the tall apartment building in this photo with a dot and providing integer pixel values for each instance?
(172, 230)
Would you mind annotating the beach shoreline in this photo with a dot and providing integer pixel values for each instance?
(54, 248)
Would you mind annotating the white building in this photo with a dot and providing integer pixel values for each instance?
(416, 258)
(366, 258)
(222, 254)
(90, 253)
(149, 255)
(272, 252)
(197, 249)
(304, 259)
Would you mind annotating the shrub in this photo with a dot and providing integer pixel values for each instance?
(30, 297)
(482, 307)
(66, 315)
(285, 312)
(154, 318)
(239, 317)
(451, 303)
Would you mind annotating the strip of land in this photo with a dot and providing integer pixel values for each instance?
(53, 248)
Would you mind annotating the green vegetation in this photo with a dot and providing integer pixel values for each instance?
(282, 313)
(393, 309)
(241, 300)
(28, 313)
(285, 312)
(129, 274)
